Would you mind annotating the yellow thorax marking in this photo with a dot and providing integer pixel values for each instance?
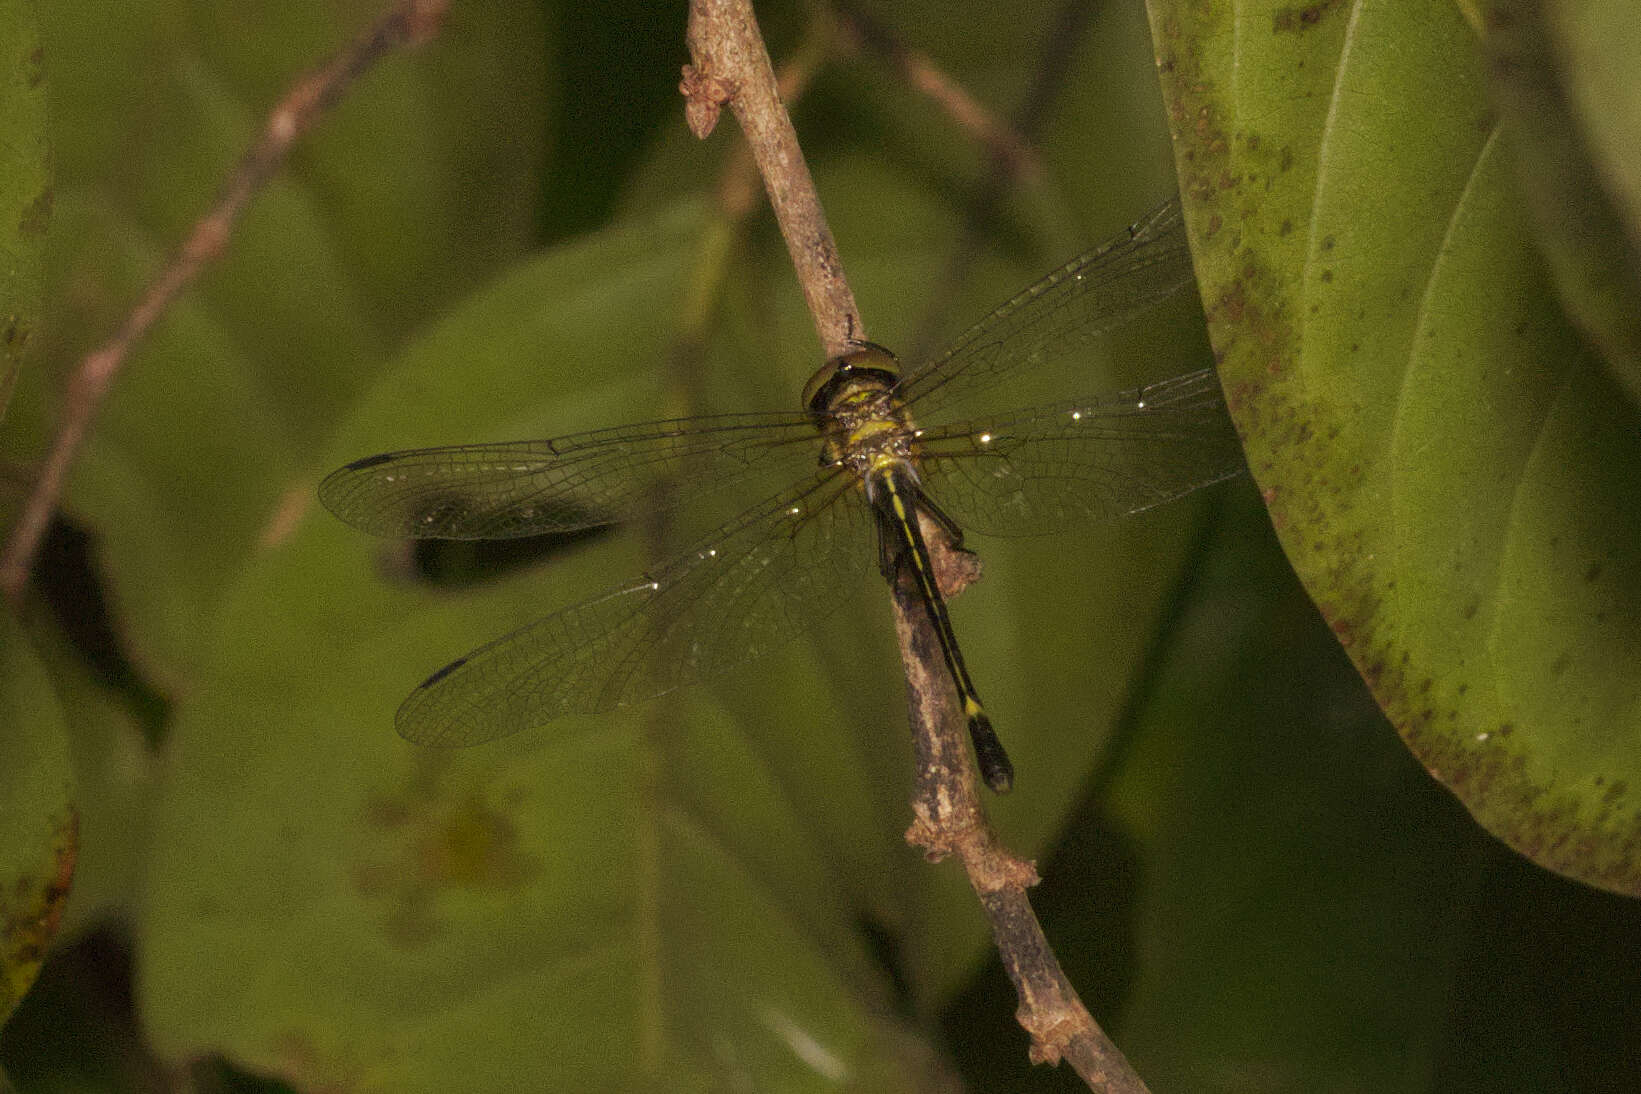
(883, 460)
(871, 428)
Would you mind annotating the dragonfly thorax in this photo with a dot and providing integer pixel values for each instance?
(855, 407)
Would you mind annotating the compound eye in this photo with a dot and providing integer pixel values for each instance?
(870, 360)
(819, 387)
(871, 357)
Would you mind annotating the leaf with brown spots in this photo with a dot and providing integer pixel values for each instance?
(1450, 468)
(39, 828)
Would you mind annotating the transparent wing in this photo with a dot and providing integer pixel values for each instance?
(1088, 296)
(525, 488)
(738, 594)
(1040, 470)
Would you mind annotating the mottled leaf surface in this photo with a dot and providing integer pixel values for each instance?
(39, 831)
(1448, 464)
(25, 186)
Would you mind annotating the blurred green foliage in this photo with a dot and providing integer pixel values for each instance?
(1254, 883)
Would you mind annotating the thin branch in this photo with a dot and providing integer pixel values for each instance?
(407, 24)
(1004, 170)
(732, 67)
(951, 819)
(1006, 145)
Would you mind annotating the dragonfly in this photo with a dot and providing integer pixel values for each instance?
(876, 450)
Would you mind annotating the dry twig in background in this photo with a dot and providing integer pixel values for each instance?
(1006, 144)
(408, 23)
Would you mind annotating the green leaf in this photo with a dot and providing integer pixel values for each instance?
(379, 216)
(1449, 468)
(39, 831)
(1311, 911)
(25, 187)
(1594, 42)
(118, 778)
(1300, 870)
(1571, 118)
(37, 819)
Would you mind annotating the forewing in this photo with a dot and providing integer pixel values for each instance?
(526, 488)
(1040, 470)
(1062, 313)
(730, 598)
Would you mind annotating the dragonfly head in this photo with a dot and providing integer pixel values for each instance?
(871, 368)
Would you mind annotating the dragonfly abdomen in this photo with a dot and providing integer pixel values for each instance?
(896, 495)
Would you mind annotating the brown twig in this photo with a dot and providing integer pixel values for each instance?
(1006, 145)
(1004, 170)
(731, 67)
(951, 819)
(408, 23)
